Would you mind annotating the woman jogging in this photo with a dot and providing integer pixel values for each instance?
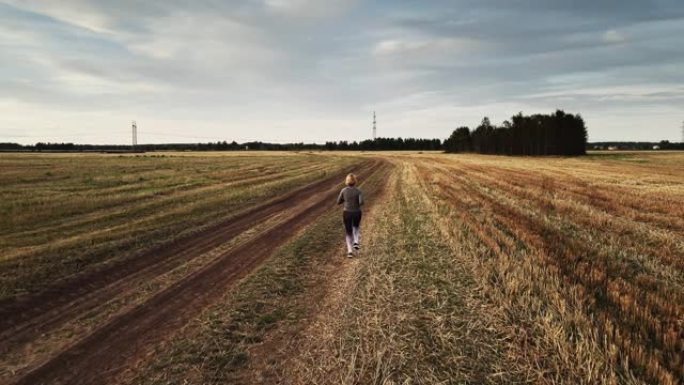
(353, 200)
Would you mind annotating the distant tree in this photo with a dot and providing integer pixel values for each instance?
(483, 137)
(459, 141)
(11, 146)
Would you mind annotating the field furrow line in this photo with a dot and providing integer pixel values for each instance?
(629, 311)
(657, 211)
(657, 244)
(22, 318)
(109, 347)
(136, 205)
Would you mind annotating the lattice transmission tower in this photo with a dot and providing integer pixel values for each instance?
(374, 126)
(134, 134)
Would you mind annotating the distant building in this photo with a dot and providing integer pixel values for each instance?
(613, 148)
(656, 147)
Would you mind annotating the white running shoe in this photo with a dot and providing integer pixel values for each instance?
(357, 246)
(350, 254)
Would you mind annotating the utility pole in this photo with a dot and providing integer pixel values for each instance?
(374, 126)
(134, 129)
(682, 131)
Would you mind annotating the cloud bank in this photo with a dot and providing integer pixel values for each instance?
(303, 70)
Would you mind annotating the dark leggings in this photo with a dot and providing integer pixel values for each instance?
(351, 219)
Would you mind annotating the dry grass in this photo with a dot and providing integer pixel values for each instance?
(137, 292)
(593, 246)
(475, 269)
(414, 314)
(66, 213)
(243, 336)
(487, 269)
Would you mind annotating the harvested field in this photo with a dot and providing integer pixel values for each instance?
(105, 298)
(67, 213)
(188, 268)
(515, 270)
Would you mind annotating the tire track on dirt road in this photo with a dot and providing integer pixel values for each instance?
(24, 319)
(103, 353)
(328, 283)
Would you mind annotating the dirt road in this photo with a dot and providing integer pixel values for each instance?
(24, 318)
(108, 349)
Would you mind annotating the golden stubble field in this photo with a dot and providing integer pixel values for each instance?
(474, 269)
(588, 252)
(63, 213)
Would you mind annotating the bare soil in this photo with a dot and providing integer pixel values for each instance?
(329, 282)
(100, 355)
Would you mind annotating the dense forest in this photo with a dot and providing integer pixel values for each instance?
(555, 134)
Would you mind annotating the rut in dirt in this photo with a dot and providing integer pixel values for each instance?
(102, 355)
(24, 318)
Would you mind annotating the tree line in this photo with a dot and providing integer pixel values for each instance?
(378, 144)
(638, 146)
(387, 144)
(558, 133)
(539, 134)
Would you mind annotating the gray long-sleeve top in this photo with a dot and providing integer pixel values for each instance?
(351, 197)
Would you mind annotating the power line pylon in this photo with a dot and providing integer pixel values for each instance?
(134, 133)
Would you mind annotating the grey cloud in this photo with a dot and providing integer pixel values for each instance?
(270, 62)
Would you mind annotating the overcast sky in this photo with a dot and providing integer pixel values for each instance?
(314, 70)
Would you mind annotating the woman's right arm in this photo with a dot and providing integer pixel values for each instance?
(340, 198)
